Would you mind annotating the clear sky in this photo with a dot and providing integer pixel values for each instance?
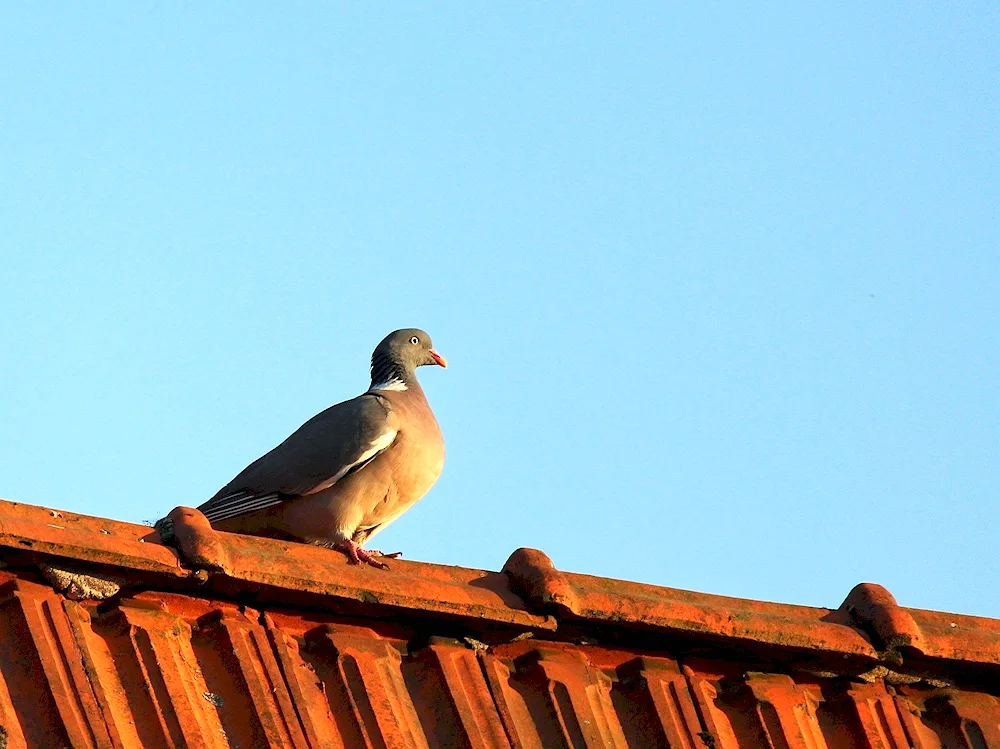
(719, 288)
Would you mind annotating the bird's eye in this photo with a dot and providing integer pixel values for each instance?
(414, 340)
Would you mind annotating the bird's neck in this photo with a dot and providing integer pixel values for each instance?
(388, 374)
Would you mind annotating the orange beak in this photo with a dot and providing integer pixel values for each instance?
(438, 359)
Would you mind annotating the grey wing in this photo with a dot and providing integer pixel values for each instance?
(342, 439)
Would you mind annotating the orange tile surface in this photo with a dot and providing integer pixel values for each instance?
(248, 642)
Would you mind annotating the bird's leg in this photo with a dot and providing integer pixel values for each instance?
(357, 555)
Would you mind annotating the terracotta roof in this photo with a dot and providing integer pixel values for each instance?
(256, 643)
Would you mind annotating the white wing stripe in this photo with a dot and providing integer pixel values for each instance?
(233, 499)
(243, 509)
(237, 498)
(244, 502)
(229, 504)
(380, 444)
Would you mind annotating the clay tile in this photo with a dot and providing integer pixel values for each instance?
(874, 609)
(533, 577)
(295, 647)
(197, 541)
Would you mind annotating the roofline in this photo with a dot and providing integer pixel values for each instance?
(869, 633)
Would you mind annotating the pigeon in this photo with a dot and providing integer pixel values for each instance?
(352, 469)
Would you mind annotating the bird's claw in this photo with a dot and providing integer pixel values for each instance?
(357, 555)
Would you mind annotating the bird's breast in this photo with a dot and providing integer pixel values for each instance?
(416, 459)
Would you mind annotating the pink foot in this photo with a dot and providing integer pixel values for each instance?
(357, 555)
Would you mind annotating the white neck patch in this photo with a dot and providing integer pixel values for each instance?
(394, 384)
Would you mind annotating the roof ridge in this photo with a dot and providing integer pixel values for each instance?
(868, 630)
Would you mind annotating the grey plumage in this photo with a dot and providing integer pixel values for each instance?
(350, 470)
(313, 457)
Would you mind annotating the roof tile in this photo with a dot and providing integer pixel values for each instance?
(284, 645)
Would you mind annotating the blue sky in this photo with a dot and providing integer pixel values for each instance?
(719, 288)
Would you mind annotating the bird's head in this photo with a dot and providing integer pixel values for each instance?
(400, 353)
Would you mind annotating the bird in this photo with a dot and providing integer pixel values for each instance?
(352, 469)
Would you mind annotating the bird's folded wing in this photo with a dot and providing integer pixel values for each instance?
(342, 439)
